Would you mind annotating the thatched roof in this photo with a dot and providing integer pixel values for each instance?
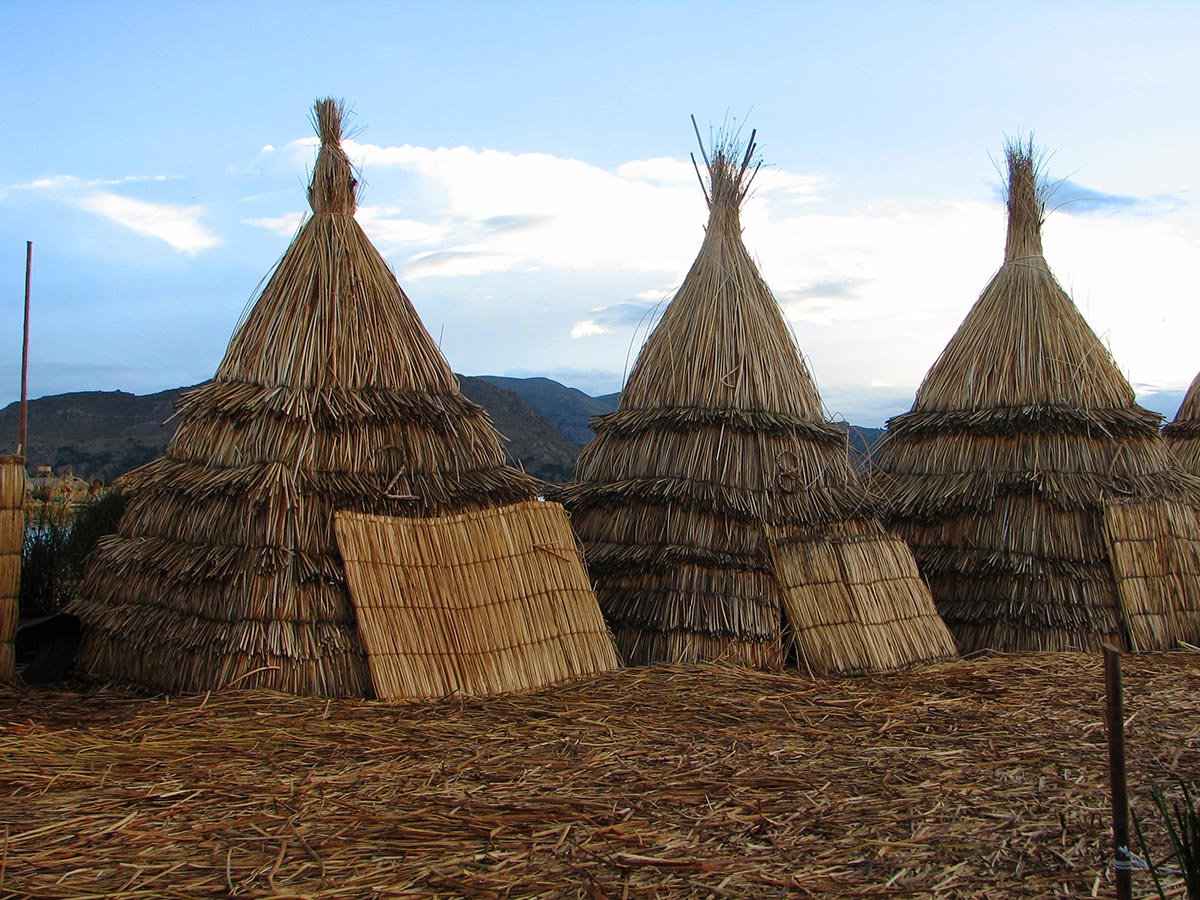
(719, 435)
(1183, 434)
(1022, 433)
(331, 396)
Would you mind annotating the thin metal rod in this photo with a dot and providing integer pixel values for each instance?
(1114, 708)
(25, 350)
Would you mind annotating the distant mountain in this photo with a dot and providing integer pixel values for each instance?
(99, 434)
(103, 434)
(532, 441)
(568, 408)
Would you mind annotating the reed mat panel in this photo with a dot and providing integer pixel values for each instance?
(474, 604)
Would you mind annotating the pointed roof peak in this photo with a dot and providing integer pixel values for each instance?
(730, 166)
(1026, 198)
(333, 188)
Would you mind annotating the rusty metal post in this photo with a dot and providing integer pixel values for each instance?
(25, 350)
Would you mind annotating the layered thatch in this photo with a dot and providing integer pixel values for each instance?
(474, 604)
(1183, 434)
(720, 435)
(1022, 434)
(331, 396)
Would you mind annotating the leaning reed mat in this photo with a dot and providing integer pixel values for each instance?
(473, 604)
(1154, 548)
(979, 778)
(854, 603)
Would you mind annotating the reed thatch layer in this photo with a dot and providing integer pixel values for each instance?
(854, 600)
(331, 396)
(1156, 561)
(1183, 434)
(720, 435)
(475, 604)
(12, 537)
(979, 779)
(1023, 432)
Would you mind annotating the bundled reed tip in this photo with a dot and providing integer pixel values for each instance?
(1026, 200)
(334, 187)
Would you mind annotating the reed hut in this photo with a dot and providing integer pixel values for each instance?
(1183, 434)
(719, 448)
(331, 396)
(1040, 500)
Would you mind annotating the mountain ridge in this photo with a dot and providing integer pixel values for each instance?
(103, 434)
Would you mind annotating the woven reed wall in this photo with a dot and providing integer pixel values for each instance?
(474, 604)
(12, 537)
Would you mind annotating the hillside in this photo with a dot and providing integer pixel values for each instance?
(568, 408)
(100, 434)
(532, 441)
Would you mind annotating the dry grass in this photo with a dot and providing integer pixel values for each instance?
(977, 778)
(720, 435)
(1022, 433)
(331, 396)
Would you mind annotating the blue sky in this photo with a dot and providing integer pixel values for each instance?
(526, 174)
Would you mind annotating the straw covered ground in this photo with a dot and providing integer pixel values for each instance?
(973, 778)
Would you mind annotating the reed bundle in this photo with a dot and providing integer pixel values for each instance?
(1183, 434)
(331, 396)
(976, 778)
(1005, 475)
(12, 538)
(474, 604)
(720, 435)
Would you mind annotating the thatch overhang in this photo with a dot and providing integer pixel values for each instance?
(1183, 433)
(720, 437)
(331, 396)
(1022, 435)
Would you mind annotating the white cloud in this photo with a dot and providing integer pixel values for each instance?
(587, 328)
(284, 225)
(548, 251)
(177, 226)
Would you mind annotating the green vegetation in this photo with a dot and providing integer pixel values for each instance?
(58, 539)
(1181, 819)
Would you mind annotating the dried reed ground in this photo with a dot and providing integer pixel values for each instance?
(973, 778)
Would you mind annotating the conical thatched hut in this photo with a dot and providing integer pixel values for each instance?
(1041, 503)
(331, 396)
(1183, 434)
(719, 445)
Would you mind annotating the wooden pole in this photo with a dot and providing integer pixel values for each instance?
(1114, 709)
(25, 349)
